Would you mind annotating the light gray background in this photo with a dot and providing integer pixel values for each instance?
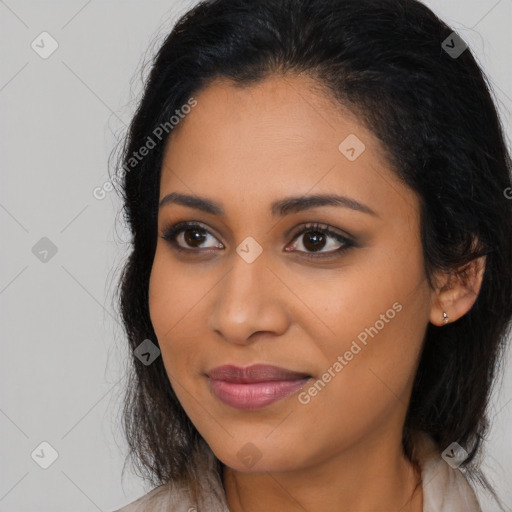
(63, 353)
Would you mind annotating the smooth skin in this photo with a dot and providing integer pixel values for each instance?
(245, 148)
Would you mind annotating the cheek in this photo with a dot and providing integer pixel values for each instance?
(364, 384)
(365, 295)
(378, 313)
(173, 294)
(174, 290)
(366, 379)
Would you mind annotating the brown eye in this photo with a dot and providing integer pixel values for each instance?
(313, 239)
(310, 241)
(194, 237)
(189, 236)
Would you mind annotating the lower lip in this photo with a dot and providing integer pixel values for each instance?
(255, 395)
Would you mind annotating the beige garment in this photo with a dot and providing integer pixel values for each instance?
(445, 489)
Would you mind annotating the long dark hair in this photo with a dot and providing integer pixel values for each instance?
(388, 62)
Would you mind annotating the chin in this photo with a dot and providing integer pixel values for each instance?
(257, 457)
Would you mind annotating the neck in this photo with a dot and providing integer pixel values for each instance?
(370, 476)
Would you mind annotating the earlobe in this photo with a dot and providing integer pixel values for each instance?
(457, 292)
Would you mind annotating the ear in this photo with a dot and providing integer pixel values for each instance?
(456, 292)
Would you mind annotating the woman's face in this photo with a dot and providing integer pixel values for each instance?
(346, 309)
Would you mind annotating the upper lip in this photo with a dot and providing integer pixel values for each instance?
(254, 373)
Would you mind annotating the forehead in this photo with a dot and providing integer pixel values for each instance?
(251, 145)
(284, 115)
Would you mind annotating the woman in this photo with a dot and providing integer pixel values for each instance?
(318, 292)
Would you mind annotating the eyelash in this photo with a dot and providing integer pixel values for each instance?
(172, 232)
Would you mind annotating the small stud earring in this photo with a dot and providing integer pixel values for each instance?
(445, 317)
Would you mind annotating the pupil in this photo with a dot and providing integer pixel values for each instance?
(317, 238)
(198, 236)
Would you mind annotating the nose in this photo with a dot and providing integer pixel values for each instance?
(250, 302)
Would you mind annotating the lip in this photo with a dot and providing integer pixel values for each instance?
(254, 386)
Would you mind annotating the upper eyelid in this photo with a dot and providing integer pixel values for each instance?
(178, 227)
(323, 227)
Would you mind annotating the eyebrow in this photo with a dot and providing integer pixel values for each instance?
(279, 208)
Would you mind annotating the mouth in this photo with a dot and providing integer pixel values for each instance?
(255, 386)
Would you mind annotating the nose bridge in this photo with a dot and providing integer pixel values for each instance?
(247, 299)
(244, 289)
